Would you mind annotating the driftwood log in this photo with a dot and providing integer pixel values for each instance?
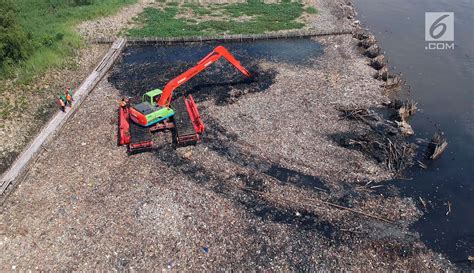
(382, 142)
(405, 128)
(438, 145)
(393, 81)
(407, 109)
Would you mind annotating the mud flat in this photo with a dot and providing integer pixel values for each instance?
(271, 187)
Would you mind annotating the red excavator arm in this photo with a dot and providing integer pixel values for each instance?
(218, 52)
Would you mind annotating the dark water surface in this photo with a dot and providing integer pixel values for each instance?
(295, 51)
(442, 83)
(148, 67)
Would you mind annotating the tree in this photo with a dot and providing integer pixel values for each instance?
(14, 43)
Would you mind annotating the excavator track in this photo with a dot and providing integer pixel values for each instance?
(186, 124)
(140, 138)
(184, 128)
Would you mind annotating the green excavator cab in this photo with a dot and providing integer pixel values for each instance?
(148, 112)
(152, 96)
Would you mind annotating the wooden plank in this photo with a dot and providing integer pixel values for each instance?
(23, 162)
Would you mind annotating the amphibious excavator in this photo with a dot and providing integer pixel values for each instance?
(157, 112)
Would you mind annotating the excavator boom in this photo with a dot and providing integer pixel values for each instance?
(212, 57)
(138, 122)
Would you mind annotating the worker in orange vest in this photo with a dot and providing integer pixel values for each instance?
(124, 102)
(68, 95)
(62, 103)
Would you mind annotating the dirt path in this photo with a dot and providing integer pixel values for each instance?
(110, 27)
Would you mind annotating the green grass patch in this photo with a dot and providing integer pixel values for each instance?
(162, 23)
(50, 27)
(311, 10)
(251, 17)
(197, 9)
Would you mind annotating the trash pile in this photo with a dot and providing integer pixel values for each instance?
(285, 177)
(381, 140)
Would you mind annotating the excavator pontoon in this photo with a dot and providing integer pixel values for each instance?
(156, 112)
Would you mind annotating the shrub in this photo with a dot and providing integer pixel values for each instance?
(14, 42)
(81, 2)
(311, 10)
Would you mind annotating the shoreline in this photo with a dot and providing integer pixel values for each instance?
(444, 183)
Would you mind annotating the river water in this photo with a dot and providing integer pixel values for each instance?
(442, 83)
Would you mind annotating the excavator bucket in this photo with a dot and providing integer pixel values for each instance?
(194, 114)
(216, 54)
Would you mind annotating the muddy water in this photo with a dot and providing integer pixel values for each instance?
(442, 83)
(148, 67)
